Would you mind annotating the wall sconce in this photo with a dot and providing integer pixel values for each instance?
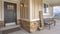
(22, 4)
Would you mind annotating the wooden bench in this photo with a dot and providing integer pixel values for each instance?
(49, 21)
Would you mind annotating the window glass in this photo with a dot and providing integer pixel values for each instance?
(45, 8)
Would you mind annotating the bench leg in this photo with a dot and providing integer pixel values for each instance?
(54, 23)
(49, 26)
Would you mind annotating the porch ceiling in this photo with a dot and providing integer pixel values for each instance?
(53, 2)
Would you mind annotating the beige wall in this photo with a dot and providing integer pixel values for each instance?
(2, 8)
(51, 10)
(49, 14)
(24, 10)
(30, 11)
(36, 6)
(35, 9)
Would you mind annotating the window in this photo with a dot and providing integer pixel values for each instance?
(45, 10)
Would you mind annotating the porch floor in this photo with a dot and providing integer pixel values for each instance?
(53, 30)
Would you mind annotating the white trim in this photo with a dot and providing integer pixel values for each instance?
(30, 20)
(35, 19)
(30, 9)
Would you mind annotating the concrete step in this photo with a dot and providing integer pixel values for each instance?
(9, 29)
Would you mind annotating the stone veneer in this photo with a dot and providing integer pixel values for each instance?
(25, 25)
(34, 26)
(1, 24)
(18, 22)
(29, 26)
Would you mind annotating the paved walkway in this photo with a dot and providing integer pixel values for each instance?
(53, 30)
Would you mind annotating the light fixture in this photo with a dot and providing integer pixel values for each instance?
(22, 4)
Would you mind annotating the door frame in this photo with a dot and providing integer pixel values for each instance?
(15, 8)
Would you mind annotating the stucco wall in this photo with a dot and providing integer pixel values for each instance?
(2, 8)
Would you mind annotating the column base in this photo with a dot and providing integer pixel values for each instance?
(29, 26)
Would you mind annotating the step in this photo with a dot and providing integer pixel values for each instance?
(9, 27)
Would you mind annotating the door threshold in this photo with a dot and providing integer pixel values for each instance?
(10, 24)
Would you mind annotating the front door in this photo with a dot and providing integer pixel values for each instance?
(10, 14)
